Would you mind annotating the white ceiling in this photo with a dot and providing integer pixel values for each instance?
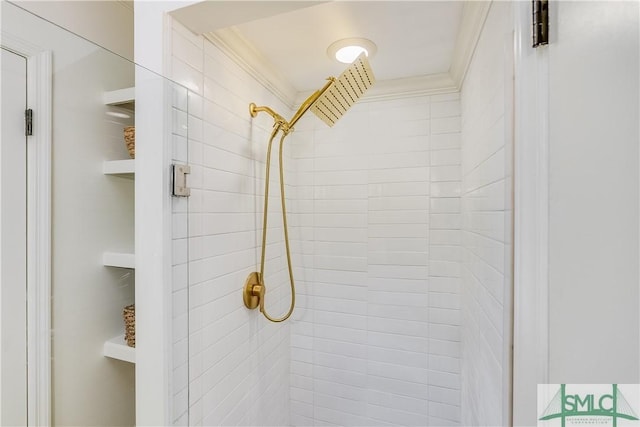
(414, 38)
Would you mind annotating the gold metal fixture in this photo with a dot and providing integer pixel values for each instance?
(250, 286)
(329, 104)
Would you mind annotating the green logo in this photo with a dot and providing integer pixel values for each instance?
(609, 405)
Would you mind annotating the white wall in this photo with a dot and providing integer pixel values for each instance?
(445, 256)
(13, 242)
(238, 361)
(487, 223)
(593, 212)
(92, 213)
(375, 336)
(106, 23)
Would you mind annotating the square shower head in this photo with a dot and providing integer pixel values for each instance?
(344, 91)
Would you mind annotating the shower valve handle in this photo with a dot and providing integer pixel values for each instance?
(253, 291)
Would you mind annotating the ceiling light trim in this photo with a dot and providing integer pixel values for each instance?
(369, 47)
(474, 15)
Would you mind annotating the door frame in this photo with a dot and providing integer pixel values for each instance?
(531, 219)
(39, 98)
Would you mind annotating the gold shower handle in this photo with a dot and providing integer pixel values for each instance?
(253, 293)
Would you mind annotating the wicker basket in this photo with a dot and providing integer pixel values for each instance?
(129, 314)
(130, 140)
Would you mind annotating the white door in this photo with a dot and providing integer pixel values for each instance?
(578, 156)
(13, 247)
(594, 76)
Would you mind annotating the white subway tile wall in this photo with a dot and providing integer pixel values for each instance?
(237, 362)
(400, 222)
(486, 222)
(180, 265)
(375, 338)
(444, 262)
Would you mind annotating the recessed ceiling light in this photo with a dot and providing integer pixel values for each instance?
(347, 50)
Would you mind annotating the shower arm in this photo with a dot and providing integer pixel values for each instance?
(280, 123)
(287, 126)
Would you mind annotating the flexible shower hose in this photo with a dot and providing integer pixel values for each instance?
(277, 127)
(329, 103)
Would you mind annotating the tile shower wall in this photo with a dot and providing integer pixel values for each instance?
(375, 338)
(238, 362)
(486, 230)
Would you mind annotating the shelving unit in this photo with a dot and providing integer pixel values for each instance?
(121, 168)
(117, 348)
(119, 259)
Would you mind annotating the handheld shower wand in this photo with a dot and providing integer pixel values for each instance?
(328, 103)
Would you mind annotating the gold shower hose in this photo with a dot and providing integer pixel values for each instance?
(254, 289)
(278, 126)
(329, 103)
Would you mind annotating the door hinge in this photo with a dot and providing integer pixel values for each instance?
(540, 9)
(28, 122)
(180, 188)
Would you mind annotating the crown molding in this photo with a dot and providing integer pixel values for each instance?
(243, 53)
(431, 84)
(234, 45)
(474, 15)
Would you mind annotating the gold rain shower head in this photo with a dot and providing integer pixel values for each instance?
(329, 104)
(333, 100)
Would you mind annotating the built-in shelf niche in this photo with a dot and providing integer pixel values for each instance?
(121, 168)
(119, 259)
(117, 348)
(125, 98)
